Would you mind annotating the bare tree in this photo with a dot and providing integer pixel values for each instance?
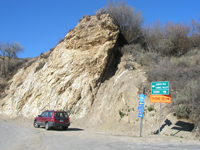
(9, 50)
(195, 35)
(2, 56)
(12, 49)
(125, 17)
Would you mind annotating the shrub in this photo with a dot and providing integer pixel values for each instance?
(183, 76)
(132, 49)
(52, 48)
(139, 55)
(88, 18)
(15, 65)
(121, 114)
(3, 86)
(129, 66)
(103, 24)
(195, 35)
(150, 108)
(193, 52)
(98, 16)
(168, 38)
(146, 59)
(187, 102)
(125, 17)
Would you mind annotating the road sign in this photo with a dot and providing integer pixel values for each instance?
(141, 97)
(141, 103)
(160, 88)
(160, 98)
(140, 109)
(140, 115)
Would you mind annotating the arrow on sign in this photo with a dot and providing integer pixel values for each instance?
(141, 103)
(140, 115)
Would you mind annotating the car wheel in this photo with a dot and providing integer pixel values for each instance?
(64, 128)
(36, 124)
(47, 126)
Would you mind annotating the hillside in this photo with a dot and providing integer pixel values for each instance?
(88, 76)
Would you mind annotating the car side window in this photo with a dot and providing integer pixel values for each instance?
(56, 115)
(43, 114)
(50, 114)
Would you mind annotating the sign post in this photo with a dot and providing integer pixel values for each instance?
(141, 109)
(159, 117)
(161, 89)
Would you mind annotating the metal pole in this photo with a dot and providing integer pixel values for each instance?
(141, 118)
(159, 118)
(140, 126)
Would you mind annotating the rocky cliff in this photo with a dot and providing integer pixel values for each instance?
(70, 76)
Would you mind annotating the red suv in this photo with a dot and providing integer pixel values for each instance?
(51, 118)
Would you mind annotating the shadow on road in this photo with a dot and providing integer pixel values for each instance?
(69, 129)
(60, 129)
(183, 126)
(167, 122)
(75, 129)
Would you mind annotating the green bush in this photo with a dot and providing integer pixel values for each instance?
(150, 108)
(121, 114)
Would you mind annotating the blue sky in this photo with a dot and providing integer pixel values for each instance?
(39, 24)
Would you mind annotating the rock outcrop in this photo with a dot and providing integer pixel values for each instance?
(85, 74)
(70, 76)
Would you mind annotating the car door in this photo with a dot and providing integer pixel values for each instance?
(39, 119)
(42, 119)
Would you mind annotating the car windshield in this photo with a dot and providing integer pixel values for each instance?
(59, 115)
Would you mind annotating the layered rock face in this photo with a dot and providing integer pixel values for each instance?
(69, 77)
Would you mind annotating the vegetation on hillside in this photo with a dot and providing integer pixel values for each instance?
(9, 62)
(7, 52)
(125, 17)
(170, 51)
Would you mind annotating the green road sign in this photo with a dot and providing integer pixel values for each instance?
(160, 88)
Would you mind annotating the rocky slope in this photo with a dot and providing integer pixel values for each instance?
(85, 74)
(70, 76)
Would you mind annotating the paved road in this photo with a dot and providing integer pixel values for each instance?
(25, 137)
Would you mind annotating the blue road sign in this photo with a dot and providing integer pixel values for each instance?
(141, 97)
(141, 103)
(140, 109)
(140, 115)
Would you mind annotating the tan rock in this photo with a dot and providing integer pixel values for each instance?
(69, 77)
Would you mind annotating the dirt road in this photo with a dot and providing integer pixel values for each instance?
(23, 136)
